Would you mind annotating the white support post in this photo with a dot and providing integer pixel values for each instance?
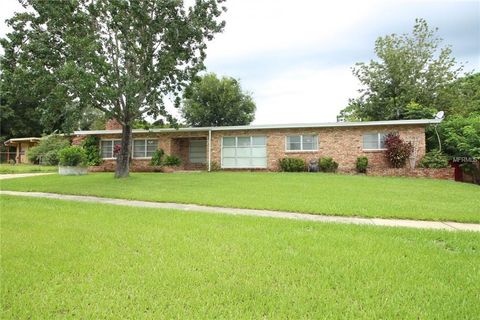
(209, 150)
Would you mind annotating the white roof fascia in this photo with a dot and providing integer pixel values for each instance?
(275, 126)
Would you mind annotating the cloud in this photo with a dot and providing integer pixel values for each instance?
(296, 56)
(304, 94)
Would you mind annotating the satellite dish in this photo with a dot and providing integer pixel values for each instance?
(440, 115)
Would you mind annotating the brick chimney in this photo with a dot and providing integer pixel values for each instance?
(113, 124)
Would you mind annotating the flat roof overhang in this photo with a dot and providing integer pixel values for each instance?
(273, 126)
(19, 140)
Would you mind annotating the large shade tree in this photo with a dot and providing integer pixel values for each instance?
(410, 68)
(32, 101)
(122, 57)
(213, 101)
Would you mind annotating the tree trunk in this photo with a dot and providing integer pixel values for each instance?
(123, 158)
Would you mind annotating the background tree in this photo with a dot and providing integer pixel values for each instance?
(410, 68)
(121, 57)
(210, 101)
(415, 110)
(460, 137)
(462, 97)
(31, 101)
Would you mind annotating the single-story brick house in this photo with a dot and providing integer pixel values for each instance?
(261, 146)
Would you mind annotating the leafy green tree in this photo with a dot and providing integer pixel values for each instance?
(31, 101)
(462, 97)
(460, 137)
(121, 57)
(410, 68)
(415, 110)
(211, 101)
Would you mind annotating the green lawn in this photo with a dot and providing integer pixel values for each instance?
(365, 196)
(69, 260)
(25, 168)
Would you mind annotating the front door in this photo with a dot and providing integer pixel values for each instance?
(198, 151)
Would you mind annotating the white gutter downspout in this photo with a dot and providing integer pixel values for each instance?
(209, 150)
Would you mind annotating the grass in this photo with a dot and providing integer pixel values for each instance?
(384, 197)
(25, 168)
(89, 261)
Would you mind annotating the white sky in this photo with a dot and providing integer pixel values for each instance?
(295, 57)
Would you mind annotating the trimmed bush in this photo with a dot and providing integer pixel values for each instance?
(434, 159)
(326, 164)
(292, 164)
(362, 164)
(398, 151)
(50, 144)
(72, 156)
(171, 160)
(157, 158)
(92, 151)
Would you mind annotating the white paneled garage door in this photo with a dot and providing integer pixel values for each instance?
(244, 152)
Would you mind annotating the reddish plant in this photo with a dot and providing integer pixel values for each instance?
(116, 150)
(398, 151)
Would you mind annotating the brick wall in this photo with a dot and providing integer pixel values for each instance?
(442, 173)
(343, 144)
(172, 143)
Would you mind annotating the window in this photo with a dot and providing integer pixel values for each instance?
(244, 152)
(374, 141)
(302, 143)
(106, 148)
(198, 151)
(144, 148)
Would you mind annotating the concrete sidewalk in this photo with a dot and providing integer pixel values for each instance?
(23, 175)
(451, 226)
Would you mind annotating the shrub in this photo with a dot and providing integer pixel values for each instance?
(157, 158)
(398, 151)
(362, 164)
(116, 150)
(292, 164)
(50, 158)
(326, 164)
(49, 144)
(92, 151)
(215, 166)
(472, 169)
(434, 159)
(72, 156)
(171, 160)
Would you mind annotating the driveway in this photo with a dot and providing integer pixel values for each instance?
(23, 175)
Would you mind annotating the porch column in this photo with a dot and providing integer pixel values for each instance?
(17, 157)
(209, 150)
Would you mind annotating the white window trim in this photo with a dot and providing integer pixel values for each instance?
(301, 143)
(378, 142)
(251, 145)
(145, 151)
(113, 144)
